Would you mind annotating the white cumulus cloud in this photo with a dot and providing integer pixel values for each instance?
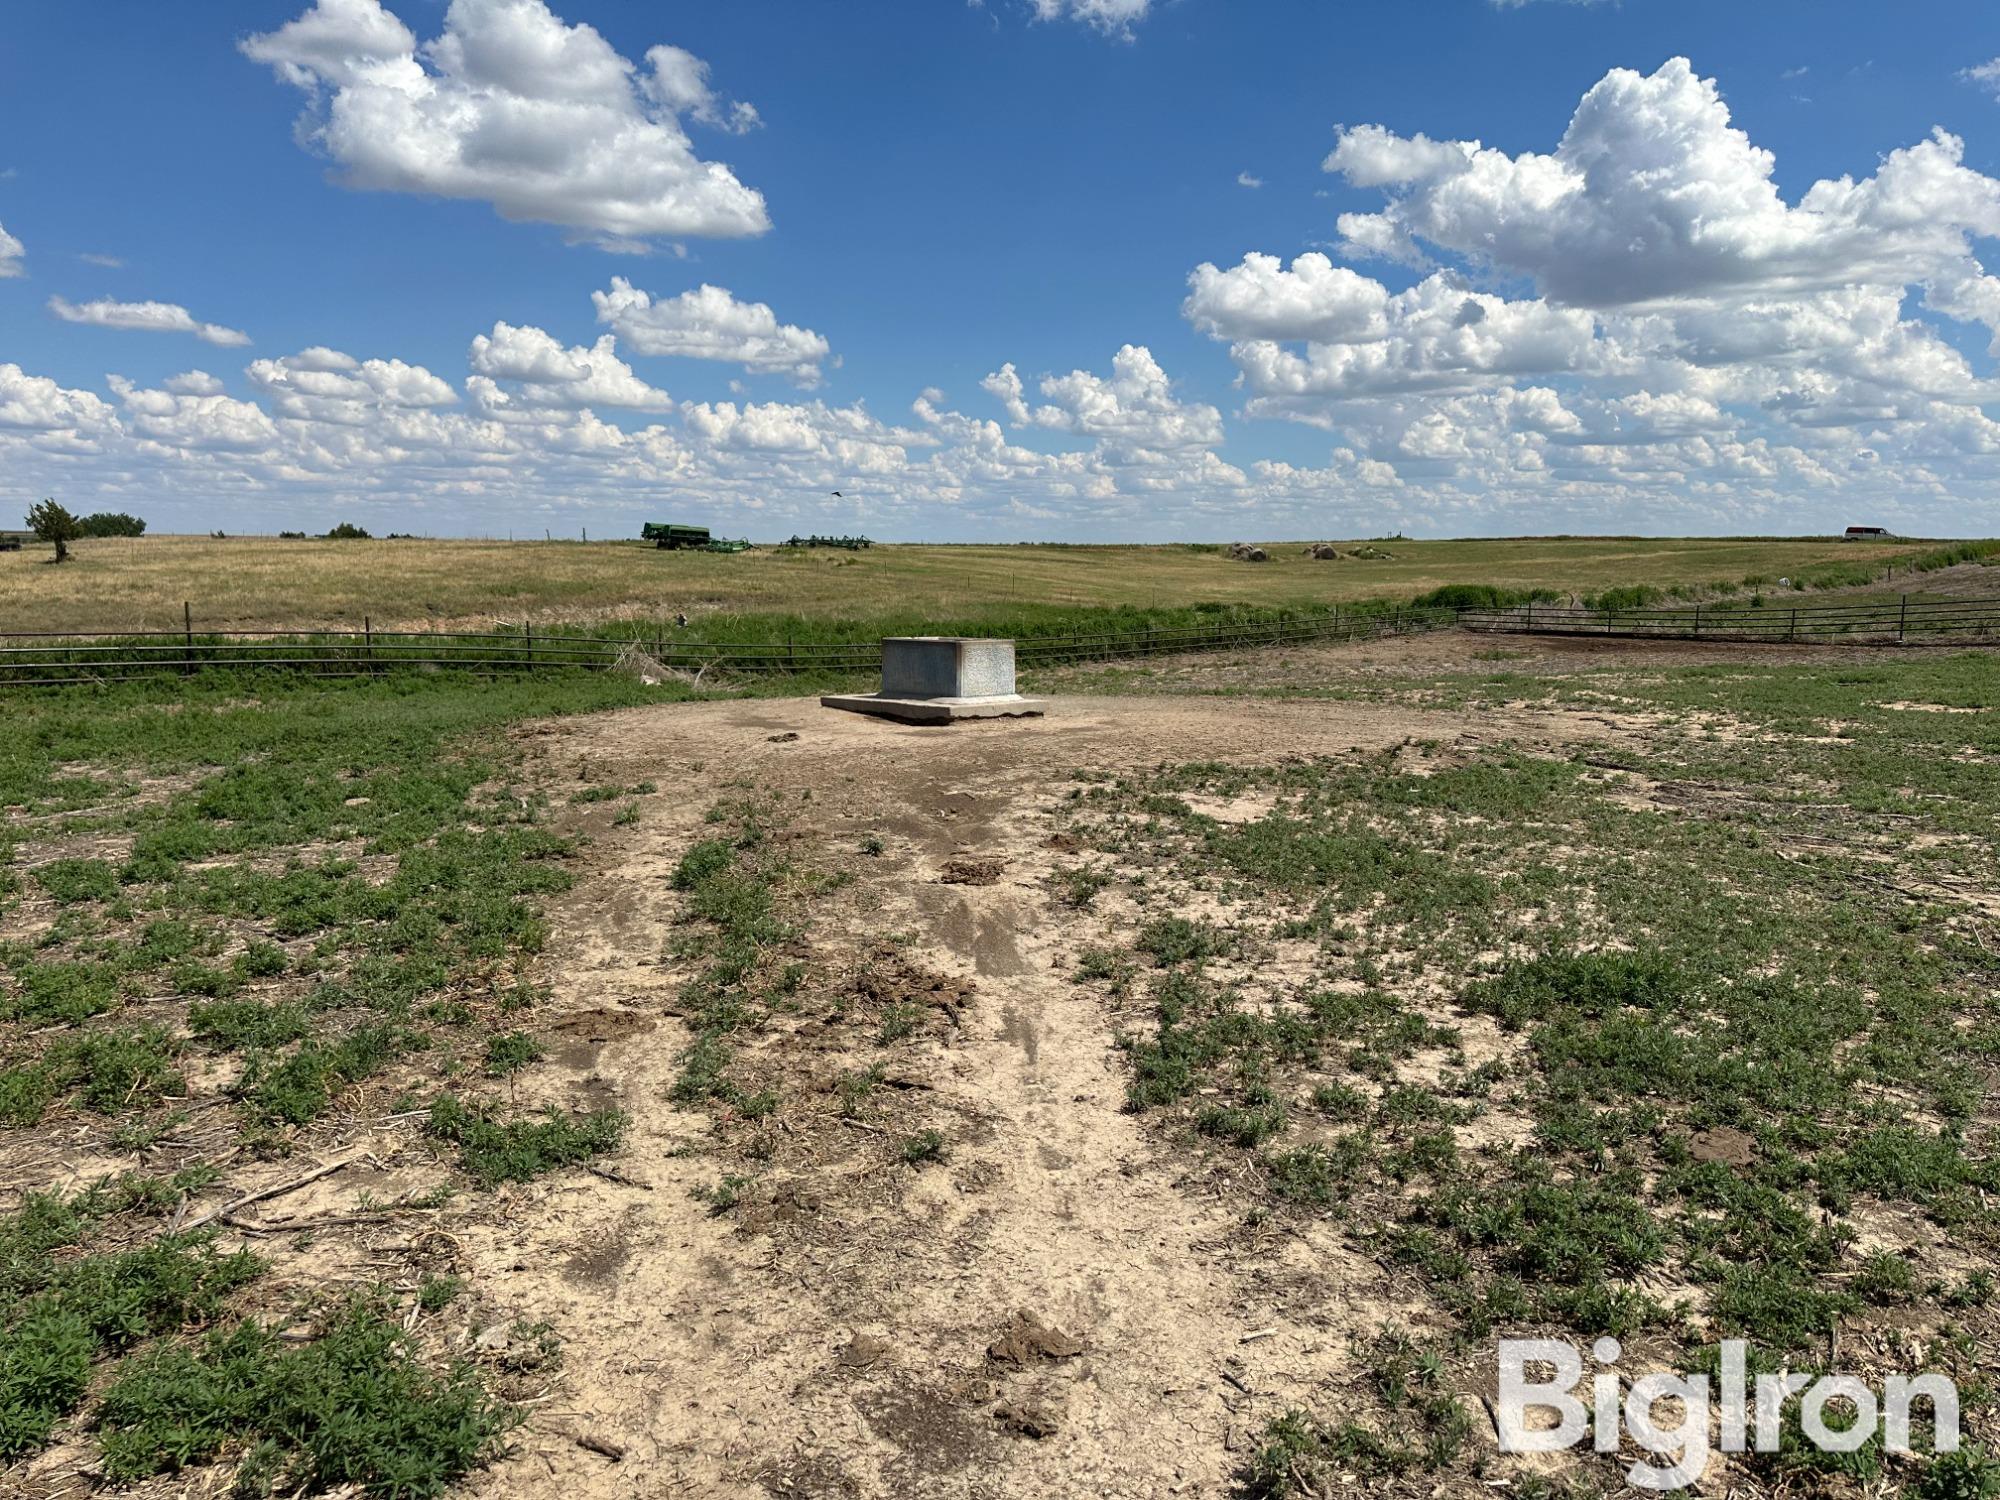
(1636, 321)
(147, 317)
(511, 105)
(679, 80)
(1135, 408)
(11, 251)
(1652, 194)
(710, 323)
(1113, 17)
(37, 404)
(178, 419)
(548, 374)
(326, 386)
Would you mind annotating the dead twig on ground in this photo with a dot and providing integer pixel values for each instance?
(278, 1191)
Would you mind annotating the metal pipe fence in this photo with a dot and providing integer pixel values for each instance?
(1908, 620)
(61, 658)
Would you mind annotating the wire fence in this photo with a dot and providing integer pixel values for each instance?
(1908, 620)
(67, 658)
(60, 658)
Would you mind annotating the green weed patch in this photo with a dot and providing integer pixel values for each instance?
(357, 1406)
(521, 1150)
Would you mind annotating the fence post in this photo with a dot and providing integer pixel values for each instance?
(187, 629)
(1697, 622)
(1903, 617)
(1529, 624)
(1795, 624)
(791, 656)
(368, 641)
(528, 638)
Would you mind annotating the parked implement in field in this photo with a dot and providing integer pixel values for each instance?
(847, 543)
(674, 538)
(13, 541)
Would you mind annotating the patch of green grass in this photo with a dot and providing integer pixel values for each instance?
(510, 1052)
(1589, 985)
(703, 861)
(853, 1090)
(192, 977)
(25, 1092)
(1320, 1174)
(248, 1025)
(260, 960)
(520, 1150)
(298, 1088)
(899, 1020)
(64, 1314)
(70, 880)
(1885, 1279)
(112, 1071)
(1544, 1231)
(1078, 885)
(1968, 1474)
(925, 1146)
(1779, 1305)
(358, 1407)
(60, 991)
(1421, 1428)
(120, 1069)
(1095, 962)
(1177, 940)
(725, 1195)
(1340, 1101)
(1248, 1126)
(1667, 988)
(732, 925)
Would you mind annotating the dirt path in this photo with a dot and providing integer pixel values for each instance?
(836, 1344)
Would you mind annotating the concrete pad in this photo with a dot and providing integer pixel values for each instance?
(938, 710)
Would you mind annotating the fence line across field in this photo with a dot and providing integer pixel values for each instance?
(1908, 619)
(53, 658)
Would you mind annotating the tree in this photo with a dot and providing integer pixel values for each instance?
(111, 523)
(51, 523)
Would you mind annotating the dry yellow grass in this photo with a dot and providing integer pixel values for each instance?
(252, 583)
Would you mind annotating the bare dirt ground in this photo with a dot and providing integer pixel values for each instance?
(1449, 653)
(850, 1337)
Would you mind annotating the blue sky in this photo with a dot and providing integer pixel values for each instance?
(957, 261)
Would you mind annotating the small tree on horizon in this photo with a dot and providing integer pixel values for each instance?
(105, 523)
(51, 523)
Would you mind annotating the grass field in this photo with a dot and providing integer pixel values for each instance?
(433, 1086)
(255, 583)
(1692, 1039)
(166, 866)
